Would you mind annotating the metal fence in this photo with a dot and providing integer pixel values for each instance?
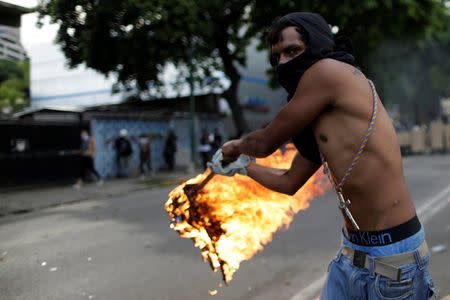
(38, 152)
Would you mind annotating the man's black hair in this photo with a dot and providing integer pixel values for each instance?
(274, 31)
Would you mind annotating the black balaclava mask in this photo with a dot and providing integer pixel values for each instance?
(319, 44)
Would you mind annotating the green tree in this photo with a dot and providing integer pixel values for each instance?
(14, 85)
(415, 74)
(9, 70)
(401, 44)
(367, 22)
(137, 39)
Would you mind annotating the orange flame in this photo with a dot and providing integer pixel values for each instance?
(231, 218)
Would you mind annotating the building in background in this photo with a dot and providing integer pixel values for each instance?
(53, 83)
(10, 46)
(260, 102)
(14, 62)
(10, 20)
(45, 141)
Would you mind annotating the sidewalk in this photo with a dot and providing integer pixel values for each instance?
(16, 201)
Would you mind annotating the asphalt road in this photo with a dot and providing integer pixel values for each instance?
(122, 248)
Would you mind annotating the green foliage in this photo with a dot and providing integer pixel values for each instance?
(414, 74)
(367, 22)
(14, 85)
(9, 70)
(137, 39)
(402, 44)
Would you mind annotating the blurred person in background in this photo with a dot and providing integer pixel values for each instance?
(124, 150)
(145, 154)
(204, 148)
(216, 140)
(87, 151)
(170, 148)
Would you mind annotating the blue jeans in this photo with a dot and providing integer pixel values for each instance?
(346, 281)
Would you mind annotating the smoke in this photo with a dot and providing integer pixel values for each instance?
(412, 76)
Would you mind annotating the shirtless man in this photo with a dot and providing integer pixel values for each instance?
(332, 107)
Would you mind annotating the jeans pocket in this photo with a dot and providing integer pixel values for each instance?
(432, 289)
(329, 265)
(389, 289)
(334, 260)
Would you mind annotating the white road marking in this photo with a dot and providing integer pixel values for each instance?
(425, 212)
(434, 205)
(311, 290)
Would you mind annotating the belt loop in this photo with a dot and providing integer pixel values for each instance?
(418, 259)
(371, 266)
(345, 232)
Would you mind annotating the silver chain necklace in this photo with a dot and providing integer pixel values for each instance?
(344, 204)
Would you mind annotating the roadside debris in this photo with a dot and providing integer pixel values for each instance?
(438, 248)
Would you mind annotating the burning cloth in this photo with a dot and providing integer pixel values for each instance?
(231, 218)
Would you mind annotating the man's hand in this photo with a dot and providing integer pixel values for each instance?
(230, 151)
(238, 166)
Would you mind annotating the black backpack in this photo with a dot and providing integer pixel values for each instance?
(124, 147)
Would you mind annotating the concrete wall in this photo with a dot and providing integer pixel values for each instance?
(105, 131)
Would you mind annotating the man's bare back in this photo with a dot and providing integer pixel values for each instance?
(376, 187)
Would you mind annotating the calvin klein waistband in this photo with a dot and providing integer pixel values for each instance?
(384, 237)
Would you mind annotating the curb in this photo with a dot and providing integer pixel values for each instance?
(21, 202)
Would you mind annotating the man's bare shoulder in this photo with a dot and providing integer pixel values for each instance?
(333, 69)
(336, 76)
(328, 77)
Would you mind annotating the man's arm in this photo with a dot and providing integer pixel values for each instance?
(283, 181)
(315, 92)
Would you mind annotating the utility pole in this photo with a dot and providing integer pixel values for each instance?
(190, 51)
